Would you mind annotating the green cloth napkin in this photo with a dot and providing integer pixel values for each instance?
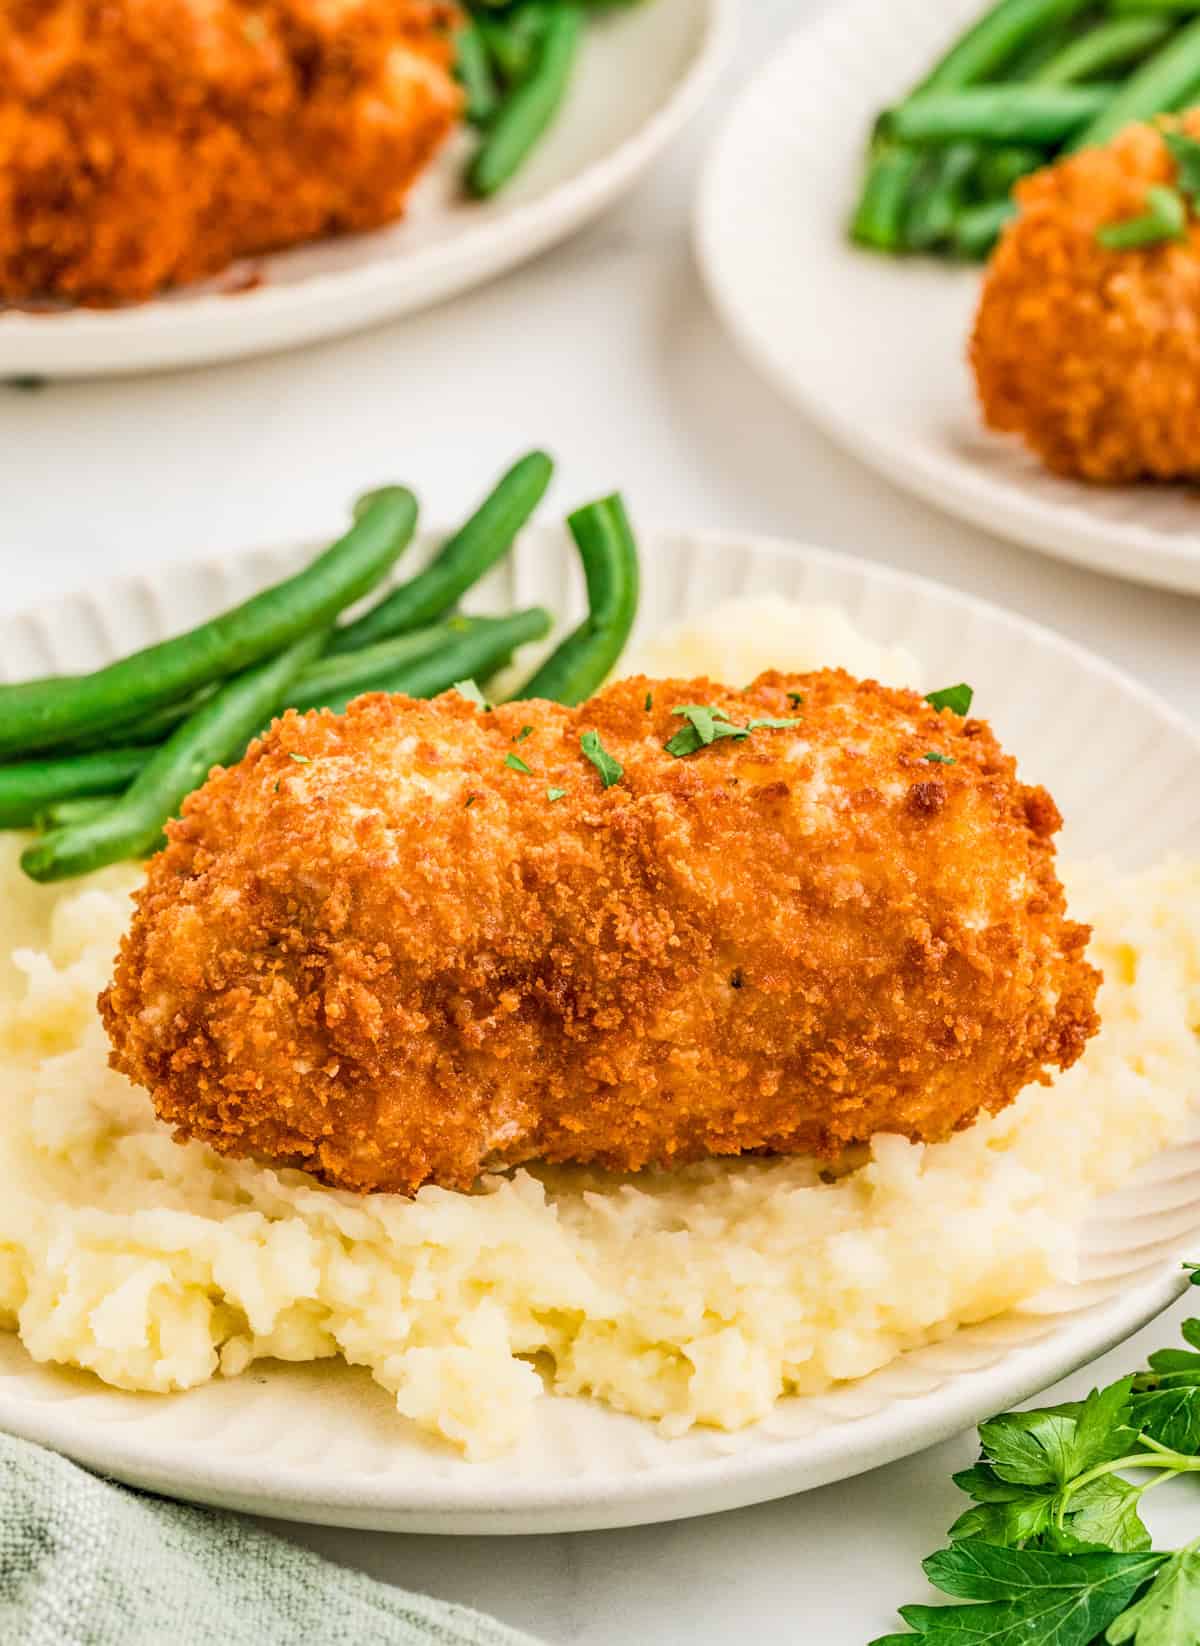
(86, 1563)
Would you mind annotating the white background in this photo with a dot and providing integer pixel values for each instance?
(607, 352)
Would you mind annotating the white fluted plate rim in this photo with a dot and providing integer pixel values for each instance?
(873, 349)
(323, 1444)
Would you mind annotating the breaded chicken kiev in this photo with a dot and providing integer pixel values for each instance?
(402, 945)
(144, 143)
(1092, 355)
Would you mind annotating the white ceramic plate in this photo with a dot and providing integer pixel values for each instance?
(874, 348)
(663, 56)
(324, 1444)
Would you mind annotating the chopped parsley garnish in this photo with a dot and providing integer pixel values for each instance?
(795, 699)
(1053, 1550)
(705, 724)
(611, 771)
(516, 764)
(940, 759)
(525, 731)
(956, 698)
(472, 693)
(649, 703)
(1165, 218)
(470, 801)
(554, 794)
(300, 759)
(769, 723)
(1185, 151)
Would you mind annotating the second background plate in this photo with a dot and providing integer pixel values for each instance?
(874, 348)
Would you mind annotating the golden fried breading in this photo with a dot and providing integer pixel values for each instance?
(380, 950)
(1094, 355)
(144, 143)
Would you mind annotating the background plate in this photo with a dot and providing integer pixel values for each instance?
(664, 57)
(324, 1444)
(874, 348)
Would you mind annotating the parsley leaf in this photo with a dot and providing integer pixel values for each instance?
(1171, 1416)
(1185, 151)
(1026, 1598)
(1168, 1614)
(770, 723)
(706, 721)
(525, 731)
(795, 699)
(1105, 1511)
(706, 724)
(941, 759)
(472, 693)
(958, 698)
(649, 703)
(611, 771)
(516, 764)
(554, 794)
(300, 759)
(1165, 218)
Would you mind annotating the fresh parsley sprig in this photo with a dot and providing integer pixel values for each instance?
(1053, 1550)
(706, 724)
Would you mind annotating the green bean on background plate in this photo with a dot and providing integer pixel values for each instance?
(461, 561)
(998, 114)
(41, 714)
(581, 662)
(1163, 82)
(512, 38)
(473, 69)
(1107, 46)
(216, 733)
(978, 229)
(527, 111)
(982, 51)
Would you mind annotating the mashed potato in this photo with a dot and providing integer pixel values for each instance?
(695, 1297)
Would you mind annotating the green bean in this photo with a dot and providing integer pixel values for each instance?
(998, 114)
(1001, 169)
(878, 219)
(217, 732)
(28, 787)
(1110, 45)
(1162, 83)
(530, 107)
(460, 562)
(64, 812)
(473, 70)
(978, 229)
(41, 714)
(582, 662)
(1169, 8)
(995, 40)
(512, 40)
(472, 655)
(338, 679)
(938, 198)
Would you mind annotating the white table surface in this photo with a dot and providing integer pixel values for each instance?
(608, 352)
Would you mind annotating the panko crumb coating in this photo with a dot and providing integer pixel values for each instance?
(1092, 355)
(147, 143)
(380, 950)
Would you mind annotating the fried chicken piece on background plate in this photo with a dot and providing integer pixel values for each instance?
(1092, 355)
(380, 950)
(144, 143)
